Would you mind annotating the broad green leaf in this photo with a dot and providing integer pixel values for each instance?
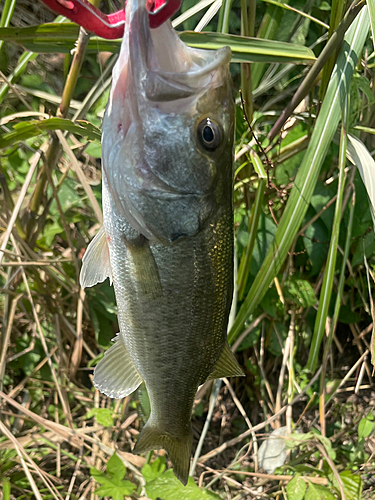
(308, 173)
(50, 231)
(168, 487)
(301, 291)
(352, 485)
(327, 445)
(112, 483)
(114, 491)
(366, 426)
(103, 416)
(24, 130)
(152, 471)
(115, 466)
(365, 246)
(296, 488)
(318, 492)
(53, 37)
(297, 439)
(94, 149)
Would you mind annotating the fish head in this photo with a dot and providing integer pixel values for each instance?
(168, 131)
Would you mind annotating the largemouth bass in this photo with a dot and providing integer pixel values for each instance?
(167, 239)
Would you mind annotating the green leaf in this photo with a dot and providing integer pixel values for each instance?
(327, 445)
(94, 149)
(115, 492)
(360, 156)
(318, 492)
(371, 8)
(25, 130)
(115, 467)
(301, 291)
(296, 488)
(297, 439)
(168, 487)
(366, 426)
(112, 483)
(152, 471)
(352, 485)
(247, 49)
(50, 232)
(6, 488)
(103, 416)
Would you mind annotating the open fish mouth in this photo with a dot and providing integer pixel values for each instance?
(164, 67)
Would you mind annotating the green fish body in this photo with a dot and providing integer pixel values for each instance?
(167, 239)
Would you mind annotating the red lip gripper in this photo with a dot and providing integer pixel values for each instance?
(110, 26)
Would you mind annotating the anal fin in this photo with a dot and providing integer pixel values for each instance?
(115, 375)
(96, 266)
(227, 366)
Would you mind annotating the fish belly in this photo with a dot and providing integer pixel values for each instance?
(173, 304)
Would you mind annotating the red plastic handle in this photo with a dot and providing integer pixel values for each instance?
(110, 26)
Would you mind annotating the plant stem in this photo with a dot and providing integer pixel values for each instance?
(54, 151)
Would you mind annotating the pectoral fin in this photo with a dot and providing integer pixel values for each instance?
(115, 375)
(227, 366)
(96, 266)
(146, 270)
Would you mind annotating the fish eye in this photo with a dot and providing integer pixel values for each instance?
(209, 134)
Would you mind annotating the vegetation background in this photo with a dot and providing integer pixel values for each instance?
(303, 329)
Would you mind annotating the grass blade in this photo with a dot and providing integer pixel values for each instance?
(25, 130)
(246, 49)
(326, 291)
(307, 176)
(371, 9)
(268, 30)
(360, 156)
(6, 15)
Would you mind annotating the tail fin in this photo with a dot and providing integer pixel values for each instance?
(178, 448)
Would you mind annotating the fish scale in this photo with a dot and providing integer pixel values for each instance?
(167, 239)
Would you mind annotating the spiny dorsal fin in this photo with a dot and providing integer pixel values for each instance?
(115, 375)
(96, 266)
(227, 366)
